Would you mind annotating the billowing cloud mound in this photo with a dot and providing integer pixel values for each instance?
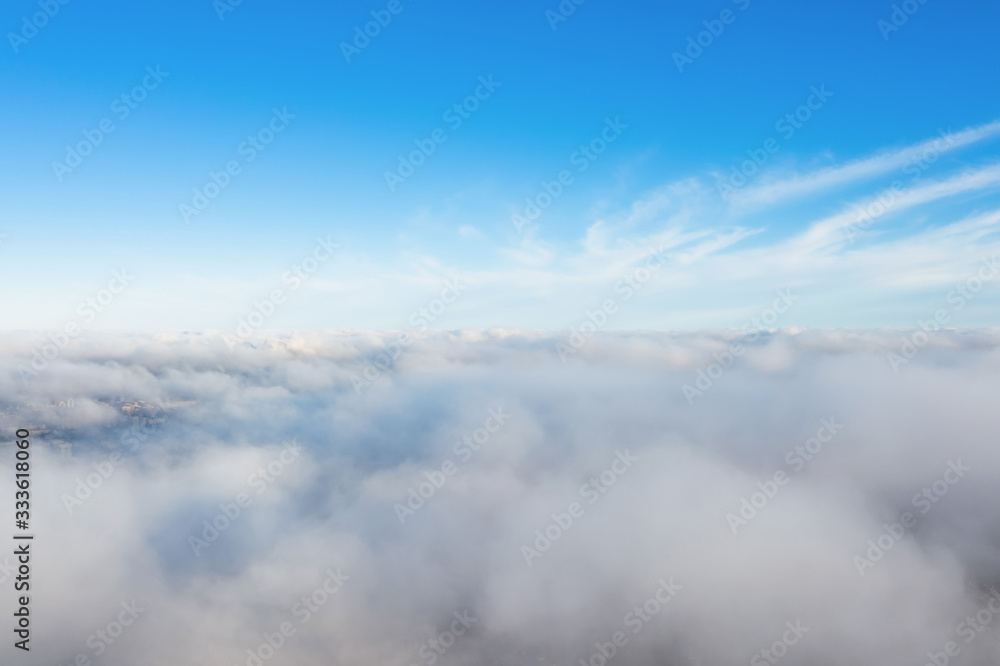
(794, 497)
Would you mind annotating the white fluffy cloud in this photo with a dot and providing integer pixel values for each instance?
(659, 519)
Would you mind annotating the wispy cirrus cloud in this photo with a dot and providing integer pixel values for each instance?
(830, 231)
(720, 259)
(801, 185)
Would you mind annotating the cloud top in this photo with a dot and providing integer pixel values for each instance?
(482, 501)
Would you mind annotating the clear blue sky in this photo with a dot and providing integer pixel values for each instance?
(324, 173)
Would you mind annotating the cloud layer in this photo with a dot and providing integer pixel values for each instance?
(477, 500)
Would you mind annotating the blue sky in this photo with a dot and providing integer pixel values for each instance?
(656, 184)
